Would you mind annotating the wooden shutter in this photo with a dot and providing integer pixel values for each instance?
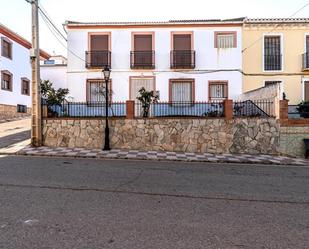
(182, 42)
(142, 42)
(307, 43)
(99, 42)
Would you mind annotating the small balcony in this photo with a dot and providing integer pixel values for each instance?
(142, 59)
(306, 61)
(182, 59)
(98, 59)
(273, 62)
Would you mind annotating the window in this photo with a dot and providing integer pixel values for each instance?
(272, 53)
(25, 86)
(6, 81)
(6, 48)
(96, 90)
(21, 108)
(270, 83)
(181, 90)
(218, 90)
(99, 55)
(142, 55)
(225, 39)
(182, 54)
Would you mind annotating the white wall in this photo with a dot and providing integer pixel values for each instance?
(20, 67)
(207, 58)
(57, 74)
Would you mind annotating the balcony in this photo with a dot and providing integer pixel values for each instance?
(98, 59)
(142, 59)
(306, 61)
(273, 62)
(182, 59)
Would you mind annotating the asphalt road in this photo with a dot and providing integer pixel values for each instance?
(89, 204)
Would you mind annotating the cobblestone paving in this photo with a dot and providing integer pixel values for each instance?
(156, 155)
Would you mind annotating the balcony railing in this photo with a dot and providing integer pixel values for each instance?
(98, 59)
(142, 59)
(273, 62)
(306, 61)
(182, 59)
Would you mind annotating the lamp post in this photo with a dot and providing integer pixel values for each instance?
(106, 73)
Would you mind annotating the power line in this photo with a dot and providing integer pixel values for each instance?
(44, 13)
(276, 26)
(55, 35)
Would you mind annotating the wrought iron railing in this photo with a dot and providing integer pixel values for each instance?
(305, 61)
(254, 108)
(182, 59)
(86, 109)
(142, 59)
(180, 109)
(98, 59)
(273, 62)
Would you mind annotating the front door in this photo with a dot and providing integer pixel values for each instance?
(306, 88)
(135, 85)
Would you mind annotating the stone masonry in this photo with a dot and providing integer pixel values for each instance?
(10, 112)
(252, 135)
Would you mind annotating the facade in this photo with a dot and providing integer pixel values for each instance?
(15, 68)
(55, 70)
(276, 51)
(183, 61)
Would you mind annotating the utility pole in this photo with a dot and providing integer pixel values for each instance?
(36, 122)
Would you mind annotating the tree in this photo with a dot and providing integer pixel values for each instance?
(52, 97)
(147, 98)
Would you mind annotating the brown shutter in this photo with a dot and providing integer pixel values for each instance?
(306, 90)
(307, 44)
(99, 42)
(6, 77)
(182, 42)
(142, 42)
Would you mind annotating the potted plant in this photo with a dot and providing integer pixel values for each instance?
(146, 98)
(303, 109)
(51, 97)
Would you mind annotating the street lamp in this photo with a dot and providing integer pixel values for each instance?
(107, 73)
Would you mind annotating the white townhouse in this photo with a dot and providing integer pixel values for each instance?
(185, 60)
(55, 70)
(15, 69)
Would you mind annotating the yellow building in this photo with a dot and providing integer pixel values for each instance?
(277, 51)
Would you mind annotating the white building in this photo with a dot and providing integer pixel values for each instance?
(55, 70)
(197, 60)
(15, 76)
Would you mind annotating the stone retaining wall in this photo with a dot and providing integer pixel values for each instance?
(10, 112)
(254, 135)
(291, 140)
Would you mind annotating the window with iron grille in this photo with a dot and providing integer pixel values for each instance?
(96, 91)
(6, 81)
(21, 108)
(270, 83)
(218, 90)
(272, 53)
(182, 91)
(225, 40)
(6, 48)
(25, 86)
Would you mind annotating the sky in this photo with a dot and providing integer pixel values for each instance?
(16, 14)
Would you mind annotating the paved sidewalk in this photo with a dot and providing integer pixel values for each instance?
(155, 155)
